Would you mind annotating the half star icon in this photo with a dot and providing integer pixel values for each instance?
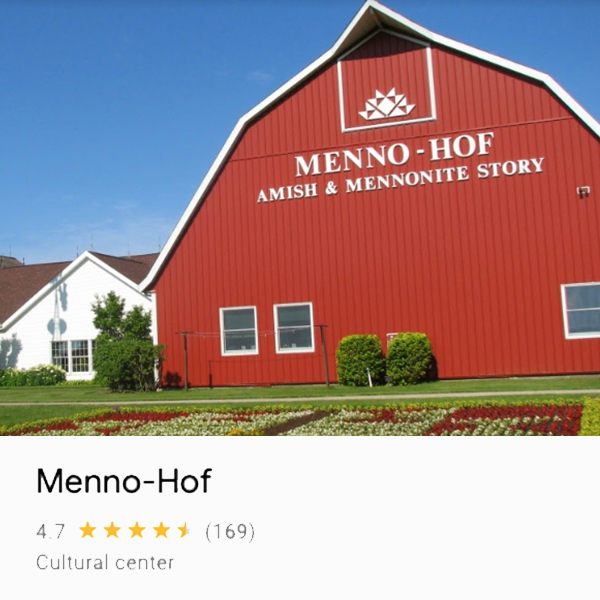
(183, 529)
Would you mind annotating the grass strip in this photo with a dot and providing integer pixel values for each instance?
(97, 394)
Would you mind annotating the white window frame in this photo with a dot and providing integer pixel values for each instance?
(73, 358)
(69, 356)
(247, 352)
(306, 350)
(568, 334)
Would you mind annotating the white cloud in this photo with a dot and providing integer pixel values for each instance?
(130, 234)
(259, 76)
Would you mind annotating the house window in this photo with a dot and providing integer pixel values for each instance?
(80, 356)
(239, 334)
(74, 356)
(294, 328)
(581, 310)
(60, 355)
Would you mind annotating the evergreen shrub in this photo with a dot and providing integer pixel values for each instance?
(127, 364)
(356, 353)
(409, 358)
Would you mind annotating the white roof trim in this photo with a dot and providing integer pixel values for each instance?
(60, 278)
(369, 10)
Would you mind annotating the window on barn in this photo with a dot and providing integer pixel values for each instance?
(239, 333)
(60, 355)
(294, 328)
(581, 308)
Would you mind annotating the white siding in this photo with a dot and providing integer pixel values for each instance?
(28, 342)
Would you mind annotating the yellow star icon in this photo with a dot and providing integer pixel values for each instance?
(137, 530)
(112, 530)
(87, 530)
(161, 530)
(183, 529)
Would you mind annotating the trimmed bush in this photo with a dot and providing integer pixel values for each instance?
(127, 364)
(356, 353)
(39, 375)
(409, 358)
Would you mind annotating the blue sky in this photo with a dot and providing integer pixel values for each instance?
(111, 112)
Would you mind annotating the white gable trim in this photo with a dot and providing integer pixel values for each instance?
(370, 15)
(61, 278)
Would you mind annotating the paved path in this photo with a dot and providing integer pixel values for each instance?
(121, 400)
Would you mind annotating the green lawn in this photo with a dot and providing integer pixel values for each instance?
(16, 415)
(77, 397)
(98, 394)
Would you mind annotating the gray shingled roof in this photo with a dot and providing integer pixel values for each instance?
(9, 261)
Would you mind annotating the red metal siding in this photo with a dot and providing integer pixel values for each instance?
(477, 264)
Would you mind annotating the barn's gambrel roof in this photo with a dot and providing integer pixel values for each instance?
(371, 17)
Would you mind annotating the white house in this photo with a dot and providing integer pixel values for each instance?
(45, 309)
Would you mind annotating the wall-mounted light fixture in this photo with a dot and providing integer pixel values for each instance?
(583, 191)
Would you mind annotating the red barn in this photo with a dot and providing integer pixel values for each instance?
(402, 182)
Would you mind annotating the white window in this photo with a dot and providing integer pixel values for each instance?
(74, 356)
(294, 331)
(80, 356)
(239, 334)
(60, 355)
(581, 310)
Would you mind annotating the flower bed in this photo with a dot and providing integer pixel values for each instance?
(376, 421)
(175, 423)
(555, 418)
(450, 420)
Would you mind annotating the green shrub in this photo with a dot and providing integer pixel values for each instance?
(357, 353)
(45, 375)
(39, 375)
(13, 377)
(125, 357)
(127, 364)
(409, 358)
